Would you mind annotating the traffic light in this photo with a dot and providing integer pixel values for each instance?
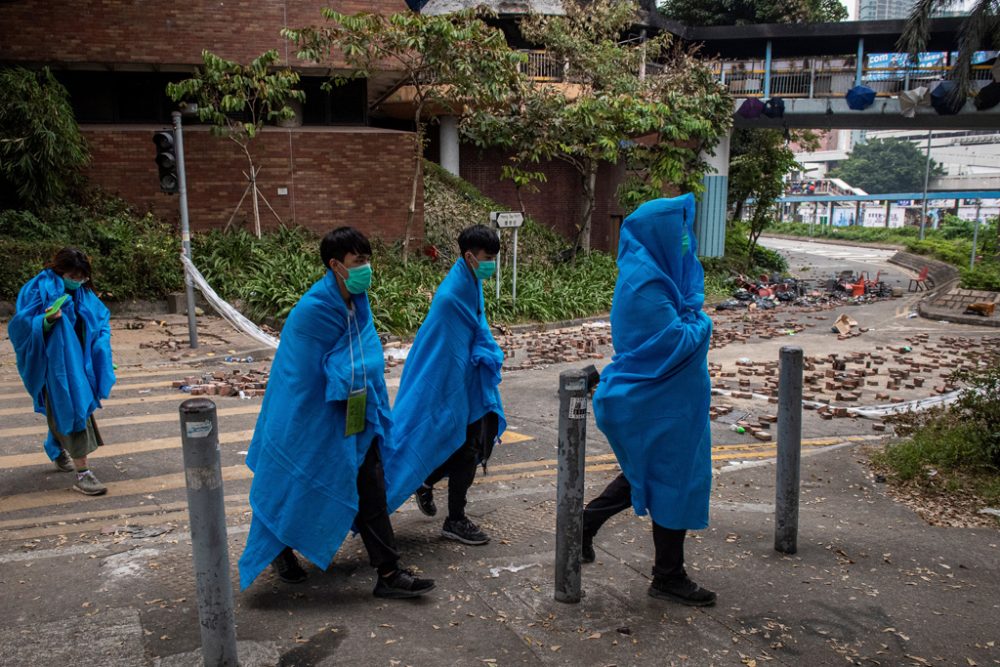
(166, 161)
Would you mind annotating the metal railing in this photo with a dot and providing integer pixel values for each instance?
(812, 78)
(807, 78)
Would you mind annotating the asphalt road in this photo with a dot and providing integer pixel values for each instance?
(43, 521)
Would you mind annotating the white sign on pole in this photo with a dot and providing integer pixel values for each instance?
(507, 219)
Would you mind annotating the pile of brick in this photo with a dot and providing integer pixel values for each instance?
(532, 349)
(883, 375)
(221, 383)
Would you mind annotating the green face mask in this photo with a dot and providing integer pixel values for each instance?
(486, 269)
(72, 284)
(359, 279)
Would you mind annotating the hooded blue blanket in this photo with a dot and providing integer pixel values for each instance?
(75, 375)
(451, 379)
(304, 492)
(653, 399)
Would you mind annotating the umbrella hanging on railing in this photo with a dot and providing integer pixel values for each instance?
(774, 108)
(860, 98)
(988, 97)
(751, 108)
(945, 100)
(909, 100)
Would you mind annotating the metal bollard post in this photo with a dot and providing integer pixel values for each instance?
(786, 503)
(569, 506)
(203, 474)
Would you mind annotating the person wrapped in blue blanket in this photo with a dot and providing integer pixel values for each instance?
(61, 334)
(653, 398)
(323, 431)
(448, 413)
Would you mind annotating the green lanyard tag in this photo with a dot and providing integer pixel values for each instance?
(356, 403)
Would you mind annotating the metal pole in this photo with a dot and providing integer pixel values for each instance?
(927, 176)
(498, 270)
(786, 503)
(975, 240)
(767, 70)
(513, 296)
(206, 509)
(185, 226)
(859, 67)
(569, 495)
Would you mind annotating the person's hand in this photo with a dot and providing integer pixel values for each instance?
(54, 312)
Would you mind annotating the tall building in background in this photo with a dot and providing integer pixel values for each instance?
(881, 10)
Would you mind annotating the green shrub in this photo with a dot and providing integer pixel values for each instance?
(984, 276)
(133, 256)
(963, 437)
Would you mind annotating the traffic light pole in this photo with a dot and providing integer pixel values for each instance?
(185, 226)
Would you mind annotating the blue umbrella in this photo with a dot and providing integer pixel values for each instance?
(860, 97)
(945, 100)
(751, 108)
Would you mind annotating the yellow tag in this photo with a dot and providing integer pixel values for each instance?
(356, 403)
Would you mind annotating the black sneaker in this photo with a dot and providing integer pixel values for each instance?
(402, 584)
(63, 462)
(464, 531)
(588, 555)
(288, 568)
(425, 500)
(681, 589)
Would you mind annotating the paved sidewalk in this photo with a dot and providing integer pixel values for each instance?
(872, 584)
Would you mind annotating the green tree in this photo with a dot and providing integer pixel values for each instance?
(238, 100)
(42, 152)
(980, 30)
(757, 172)
(746, 12)
(604, 103)
(448, 62)
(886, 165)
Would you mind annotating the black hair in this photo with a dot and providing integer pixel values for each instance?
(73, 261)
(342, 240)
(478, 237)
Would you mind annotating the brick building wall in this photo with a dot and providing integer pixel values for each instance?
(162, 34)
(334, 176)
(559, 201)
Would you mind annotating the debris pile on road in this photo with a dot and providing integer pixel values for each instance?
(887, 374)
(531, 349)
(245, 384)
(768, 292)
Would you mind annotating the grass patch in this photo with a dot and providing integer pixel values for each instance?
(954, 449)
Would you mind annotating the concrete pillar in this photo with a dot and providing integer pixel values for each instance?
(449, 144)
(710, 216)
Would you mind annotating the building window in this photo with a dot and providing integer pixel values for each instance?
(345, 104)
(119, 97)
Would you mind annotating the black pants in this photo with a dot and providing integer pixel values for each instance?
(372, 520)
(617, 497)
(460, 469)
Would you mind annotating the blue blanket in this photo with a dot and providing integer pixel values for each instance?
(304, 492)
(653, 399)
(451, 379)
(76, 375)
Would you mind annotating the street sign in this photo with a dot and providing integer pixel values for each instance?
(905, 202)
(507, 219)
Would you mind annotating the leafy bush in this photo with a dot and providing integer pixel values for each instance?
(133, 256)
(41, 149)
(985, 276)
(962, 437)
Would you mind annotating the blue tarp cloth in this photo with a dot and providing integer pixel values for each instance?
(653, 399)
(304, 492)
(75, 376)
(451, 379)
